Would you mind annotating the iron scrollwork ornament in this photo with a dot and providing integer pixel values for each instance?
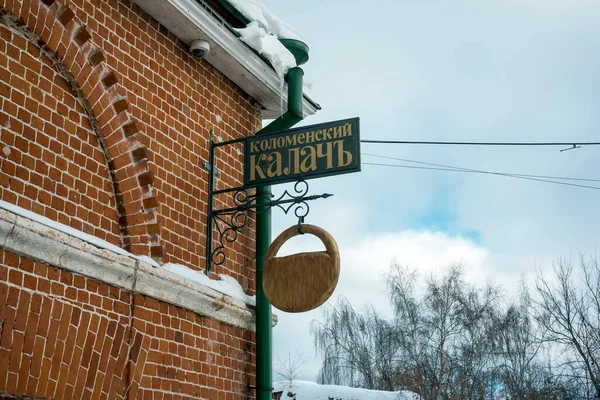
(230, 221)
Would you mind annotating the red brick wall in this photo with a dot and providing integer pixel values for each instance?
(113, 145)
(152, 106)
(178, 100)
(51, 161)
(63, 336)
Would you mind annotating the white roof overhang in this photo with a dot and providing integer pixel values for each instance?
(189, 20)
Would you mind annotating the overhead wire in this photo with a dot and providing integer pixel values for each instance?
(449, 168)
(574, 144)
(481, 171)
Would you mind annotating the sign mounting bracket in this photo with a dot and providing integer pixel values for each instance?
(229, 221)
(327, 149)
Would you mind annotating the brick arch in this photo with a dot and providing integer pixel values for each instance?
(54, 28)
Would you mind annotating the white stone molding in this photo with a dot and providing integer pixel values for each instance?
(48, 245)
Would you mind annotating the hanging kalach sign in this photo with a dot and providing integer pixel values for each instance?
(314, 151)
(301, 282)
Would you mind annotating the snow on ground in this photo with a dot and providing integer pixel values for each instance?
(226, 284)
(269, 46)
(254, 10)
(306, 390)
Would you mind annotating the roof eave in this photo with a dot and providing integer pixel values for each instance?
(188, 20)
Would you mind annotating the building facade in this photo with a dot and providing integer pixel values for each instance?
(105, 122)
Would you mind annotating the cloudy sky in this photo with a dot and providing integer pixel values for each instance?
(469, 70)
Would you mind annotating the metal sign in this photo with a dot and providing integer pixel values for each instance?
(326, 149)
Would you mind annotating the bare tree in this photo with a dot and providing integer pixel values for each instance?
(449, 340)
(436, 345)
(357, 350)
(569, 309)
(291, 367)
(444, 333)
(518, 348)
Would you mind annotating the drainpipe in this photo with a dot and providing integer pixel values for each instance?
(294, 113)
(264, 344)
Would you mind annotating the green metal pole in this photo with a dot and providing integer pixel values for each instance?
(264, 342)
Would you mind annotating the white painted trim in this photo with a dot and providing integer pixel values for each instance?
(188, 20)
(48, 245)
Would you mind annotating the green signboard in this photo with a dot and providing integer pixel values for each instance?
(330, 148)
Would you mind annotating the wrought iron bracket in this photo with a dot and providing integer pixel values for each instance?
(229, 221)
(209, 167)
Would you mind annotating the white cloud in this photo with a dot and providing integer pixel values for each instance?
(439, 70)
(364, 259)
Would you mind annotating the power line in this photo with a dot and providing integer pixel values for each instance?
(482, 171)
(574, 144)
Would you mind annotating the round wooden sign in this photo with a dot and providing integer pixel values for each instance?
(301, 282)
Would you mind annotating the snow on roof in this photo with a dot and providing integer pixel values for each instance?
(254, 10)
(306, 390)
(268, 46)
(226, 285)
(263, 34)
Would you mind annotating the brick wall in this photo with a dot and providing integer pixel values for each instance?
(105, 121)
(178, 100)
(63, 336)
(152, 107)
(51, 162)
